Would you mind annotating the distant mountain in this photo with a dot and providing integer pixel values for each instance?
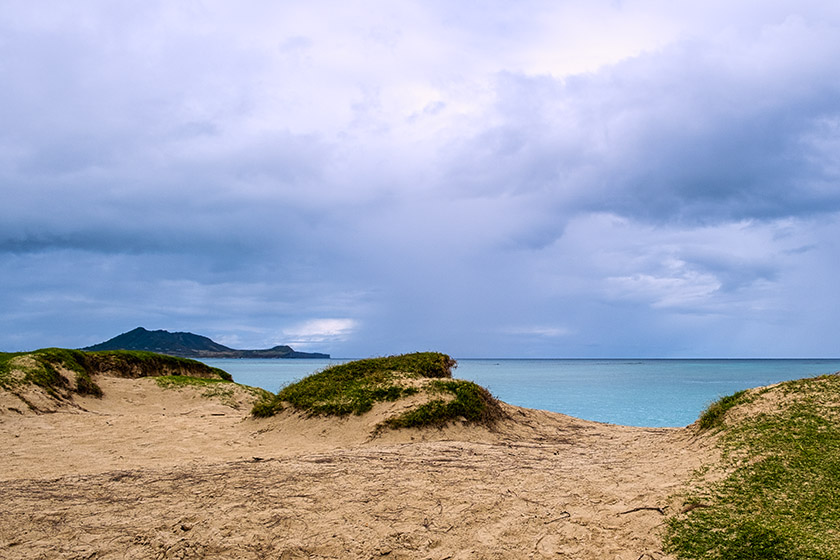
(189, 345)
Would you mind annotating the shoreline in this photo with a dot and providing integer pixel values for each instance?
(673, 394)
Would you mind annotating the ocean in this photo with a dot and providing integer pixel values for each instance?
(651, 393)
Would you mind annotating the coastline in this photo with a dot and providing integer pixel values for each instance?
(664, 392)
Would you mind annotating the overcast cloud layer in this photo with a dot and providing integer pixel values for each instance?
(599, 179)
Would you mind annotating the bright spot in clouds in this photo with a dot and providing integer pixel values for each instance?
(320, 331)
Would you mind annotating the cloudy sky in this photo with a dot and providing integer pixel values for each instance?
(483, 178)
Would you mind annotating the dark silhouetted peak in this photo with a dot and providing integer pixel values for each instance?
(191, 345)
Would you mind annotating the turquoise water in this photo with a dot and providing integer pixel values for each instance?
(629, 392)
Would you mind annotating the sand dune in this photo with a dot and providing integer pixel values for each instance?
(147, 472)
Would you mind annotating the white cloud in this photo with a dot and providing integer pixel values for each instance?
(320, 331)
(545, 331)
(686, 291)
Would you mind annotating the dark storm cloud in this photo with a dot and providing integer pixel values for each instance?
(693, 133)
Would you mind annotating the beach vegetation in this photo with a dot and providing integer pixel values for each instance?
(7, 380)
(713, 416)
(469, 402)
(140, 363)
(267, 406)
(62, 372)
(211, 388)
(57, 371)
(180, 381)
(780, 493)
(354, 387)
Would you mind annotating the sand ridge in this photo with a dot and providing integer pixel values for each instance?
(147, 472)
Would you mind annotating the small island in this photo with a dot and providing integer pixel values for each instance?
(189, 345)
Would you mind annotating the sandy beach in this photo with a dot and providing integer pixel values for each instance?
(147, 472)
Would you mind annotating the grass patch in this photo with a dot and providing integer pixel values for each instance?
(782, 496)
(471, 402)
(179, 381)
(221, 389)
(712, 417)
(5, 368)
(267, 406)
(7, 380)
(354, 387)
(61, 372)
(72, 360)
(137, 363)
(58, 371)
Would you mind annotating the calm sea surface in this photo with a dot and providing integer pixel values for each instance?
(629, 392)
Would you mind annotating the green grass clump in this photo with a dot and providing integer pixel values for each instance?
(61, 372)
(471, 402)
(782, 496)
(137, 363)
(7, 381)
(354, 387)
(5, 358)
(42, 370)
(418, 364)
(266, 406)
(178, 381)
(212, 388)
(713, 416)
(74, 361)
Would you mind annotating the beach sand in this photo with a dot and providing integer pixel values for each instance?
(147, 472)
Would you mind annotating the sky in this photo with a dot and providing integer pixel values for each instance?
(480, 178)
